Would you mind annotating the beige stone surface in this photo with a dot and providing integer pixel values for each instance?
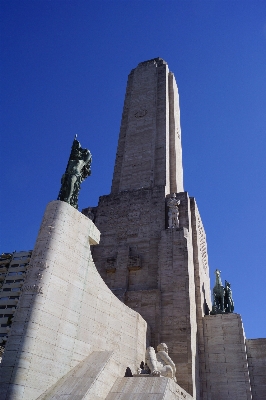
(256, 353)
(162, 290)
(91, 379)
(170, 285)
(66, 311)
(227, 374)
(178, 310)
(147, 388)
(149, 148)
(202, 291)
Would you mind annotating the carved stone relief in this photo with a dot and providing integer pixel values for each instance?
(134, 263)
(173, 211)
(111, 264)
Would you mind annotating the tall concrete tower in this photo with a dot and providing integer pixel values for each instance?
(160, 271)
(149, 150)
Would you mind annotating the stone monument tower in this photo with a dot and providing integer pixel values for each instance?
(153, 253)
(71, 335)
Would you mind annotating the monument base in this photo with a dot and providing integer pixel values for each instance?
(144, 388)
(226, 365)
(66, 312)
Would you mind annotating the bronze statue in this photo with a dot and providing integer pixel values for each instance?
(218, 293)
(78, 169)
(228, 300)
(222, 296)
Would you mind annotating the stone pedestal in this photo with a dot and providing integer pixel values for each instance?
(227, 375)
(66, 311)
(256, 352)
(147, 388)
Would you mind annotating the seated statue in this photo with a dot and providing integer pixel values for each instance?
(159, 364)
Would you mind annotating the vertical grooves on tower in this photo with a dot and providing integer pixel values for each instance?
(162, 129)
(173, 188)
(149, 148)
(176, 167)
(122, 136)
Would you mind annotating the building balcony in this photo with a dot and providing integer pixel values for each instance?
(18, 267)
(12, 285)
(7, 312)
(6, 301)
(16, 274)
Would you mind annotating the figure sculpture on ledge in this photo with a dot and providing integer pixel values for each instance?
(173, 211)
(228, 300)
(218, 293)
(158, 364)
(222, 296)
(78, 169)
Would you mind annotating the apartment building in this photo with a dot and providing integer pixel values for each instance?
(13, 268)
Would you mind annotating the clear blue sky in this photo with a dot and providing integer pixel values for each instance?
(64, 67)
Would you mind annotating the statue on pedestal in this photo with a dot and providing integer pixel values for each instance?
(78, 169)
(222, 296)
(218, 293)
(228, 300)
(173, 211)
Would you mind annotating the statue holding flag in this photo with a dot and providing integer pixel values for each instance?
(78, 169)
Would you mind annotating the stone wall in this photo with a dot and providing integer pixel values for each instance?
(256, 352)
(147, 388)
(66, 311)
(150, 126)
(226, 359)
(130, 224)
(175, 148)
(150, 268)
(202, 290)
(176, 283)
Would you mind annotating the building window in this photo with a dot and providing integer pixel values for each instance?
(15, 273)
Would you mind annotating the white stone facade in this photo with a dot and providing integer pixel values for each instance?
(66, 311)
(143, 388)
(149, 151)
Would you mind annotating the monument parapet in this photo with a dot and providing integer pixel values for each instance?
(66, 312)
